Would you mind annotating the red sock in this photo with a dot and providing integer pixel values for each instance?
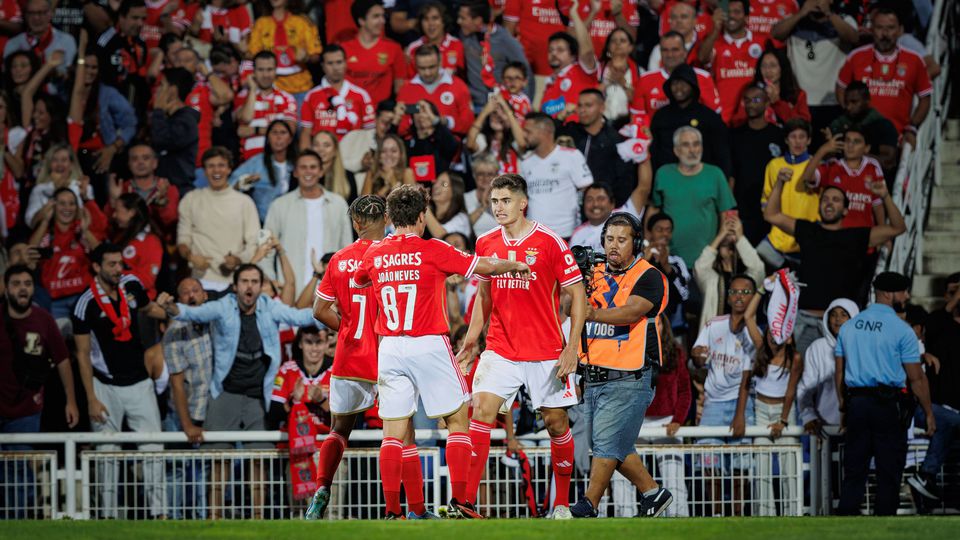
(480, 438)
(459, 449)
(330, 453)
(391, 455)
(561, 455)
(412, 479)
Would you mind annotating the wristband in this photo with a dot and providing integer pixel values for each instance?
(910, 128)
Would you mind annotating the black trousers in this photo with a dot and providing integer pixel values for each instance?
(873, 431)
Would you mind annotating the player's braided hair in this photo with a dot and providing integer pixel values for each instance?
(368, 209)
(405, 204)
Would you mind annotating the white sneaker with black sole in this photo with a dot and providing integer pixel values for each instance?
(925, 485)
(656, 504)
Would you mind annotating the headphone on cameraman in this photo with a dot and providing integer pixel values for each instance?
(634, 223)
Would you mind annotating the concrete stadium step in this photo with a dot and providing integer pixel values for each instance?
(941, 263)
(928, 285)
(946, 197)
(951, 172)
(941, 242)
(929, 303)
(944, 219)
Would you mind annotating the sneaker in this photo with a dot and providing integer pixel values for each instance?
(583, 509)
(318, 505)
(425, 515)
(463, 510)
(925, 484)
(390, 516)
(656, 504)
(561, 512)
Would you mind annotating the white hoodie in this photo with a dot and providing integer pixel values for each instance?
(817, 391)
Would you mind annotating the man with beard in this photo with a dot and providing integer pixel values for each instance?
(246, 360)
(30, 347)
(876, 352)
(110, 354)
(832, 256)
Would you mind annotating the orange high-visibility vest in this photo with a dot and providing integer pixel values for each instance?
(622, 347)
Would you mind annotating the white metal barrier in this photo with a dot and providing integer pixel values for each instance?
(28, 485)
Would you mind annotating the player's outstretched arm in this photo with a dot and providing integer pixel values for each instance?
(488, 266)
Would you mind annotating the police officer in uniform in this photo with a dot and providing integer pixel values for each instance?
(623, 338)
(876, 354)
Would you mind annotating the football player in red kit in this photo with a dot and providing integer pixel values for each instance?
(415, 359)
(525, 345)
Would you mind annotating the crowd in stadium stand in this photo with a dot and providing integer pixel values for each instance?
(209, 150)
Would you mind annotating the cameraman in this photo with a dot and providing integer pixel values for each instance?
(627, 295)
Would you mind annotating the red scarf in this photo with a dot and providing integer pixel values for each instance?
(39, 45)
(121, 324)
(487, 72)
(302, 436)
(286, 55)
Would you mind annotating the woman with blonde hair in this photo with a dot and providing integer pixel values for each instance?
(389, 167)
(336, 178)
(60, 169)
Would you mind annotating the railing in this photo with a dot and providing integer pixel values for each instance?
(920, 167)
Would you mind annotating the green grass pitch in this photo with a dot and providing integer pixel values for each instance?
(920, 528)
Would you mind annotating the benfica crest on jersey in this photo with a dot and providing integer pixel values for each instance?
(377, 261)
(531, 257)
(382, 58)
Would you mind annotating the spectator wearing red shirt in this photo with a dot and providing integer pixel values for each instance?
(432, 24)
(574, 64)
(335, 105)
(764, 14)
(787, 99)
(612, 14)
(532, 22)
(142, 248)
(448, 93)
(11, 20)
(161, 200)
(260, 103)
(894, 75)
(339, 25)
(703, 23)
(649, 96)
(374, 63)
(683, 19)
(731, 58)
(854, 173)
(218, 23)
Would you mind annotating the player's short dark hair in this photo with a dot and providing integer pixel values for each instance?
(127, 5)
(846, 200)
(594, 92)
(427, 50)
(332, 48)
(405, 204)
(513, 182)
(858, 86)
(794, 124)
(543, 120)
(568, 39)
(515, 64)
(360, 8)
(181, 79)
(15, 269)
(753, 282)
(478, 8)
(602, 186)
(243, 268)
(265, 55)
(96, 256)
(368, 209)
(657, 218)
(215, 152)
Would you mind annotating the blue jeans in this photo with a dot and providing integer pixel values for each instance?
(614, 414)
(14, 502)
(186, 479)
(721, 413)
(948, 423)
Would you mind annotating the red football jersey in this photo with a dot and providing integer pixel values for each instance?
(356, 356)
(199, 100)
(408, 274)
(451, 96)
(151, 30)
(325, 109)
(376, 68)
(339, 22)
(893, 80)
(649, 97)
(764, 14)
(565, 86)
(451, 55)
(856, 184)
(183, 16)
(536, 20)
(524, 320)
(10, 12)
(604, 22)
(733, 65)
(287, 378)
(143, 256)
(702, 26)
(233, 22)
(271, 105)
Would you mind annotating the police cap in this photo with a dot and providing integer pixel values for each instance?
(891, 282)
